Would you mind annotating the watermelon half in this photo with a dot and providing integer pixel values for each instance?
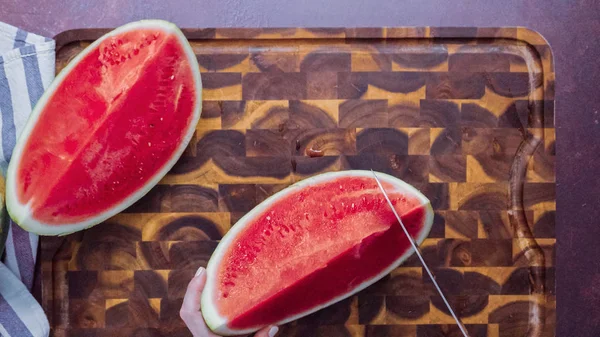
(309, 246)
(110, 126)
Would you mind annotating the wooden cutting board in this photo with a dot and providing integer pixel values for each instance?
(464, 114)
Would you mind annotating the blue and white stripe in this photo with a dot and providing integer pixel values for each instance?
(26, 70)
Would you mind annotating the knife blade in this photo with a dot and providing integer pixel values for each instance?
(414, 245)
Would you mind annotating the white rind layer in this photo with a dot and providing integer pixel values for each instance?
(218, 323)
(21, 213)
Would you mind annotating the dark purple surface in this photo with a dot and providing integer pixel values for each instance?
(571, 27)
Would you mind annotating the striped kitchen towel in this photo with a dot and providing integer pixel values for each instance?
(26, 70)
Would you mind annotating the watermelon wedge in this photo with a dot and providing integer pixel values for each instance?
(110, 126)
(309, 246)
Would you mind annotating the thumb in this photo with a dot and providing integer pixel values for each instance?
(269, 331)
(191, 300)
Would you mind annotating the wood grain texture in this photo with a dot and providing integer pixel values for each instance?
(475, 134)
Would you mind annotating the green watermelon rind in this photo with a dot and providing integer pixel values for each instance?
(219, 324)
(21, 214)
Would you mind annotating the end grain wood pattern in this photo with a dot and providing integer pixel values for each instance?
(464, 114)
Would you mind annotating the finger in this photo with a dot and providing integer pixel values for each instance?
(191, 300)
(269, 331)
(190, 309)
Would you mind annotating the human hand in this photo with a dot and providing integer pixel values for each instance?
(190, 310)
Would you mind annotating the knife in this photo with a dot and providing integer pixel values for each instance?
(414, 245)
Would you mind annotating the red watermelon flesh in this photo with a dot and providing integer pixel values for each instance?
(309, 247)
(112, 124)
